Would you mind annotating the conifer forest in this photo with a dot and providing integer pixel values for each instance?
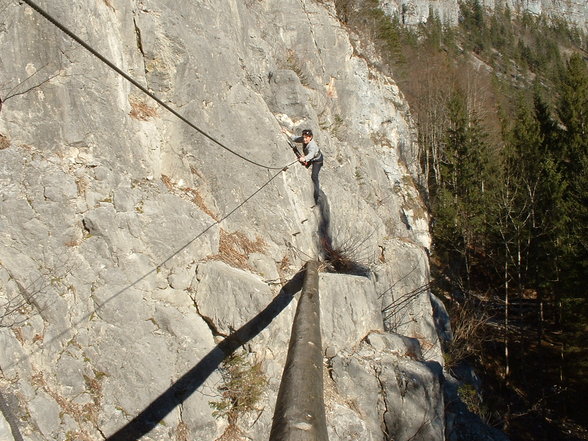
(501, 106)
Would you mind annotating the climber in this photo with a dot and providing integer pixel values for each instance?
(311, 156)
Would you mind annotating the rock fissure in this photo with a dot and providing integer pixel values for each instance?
(139, 40)
(101, 432)
(209, 322)
(383, 396)
(312, 33)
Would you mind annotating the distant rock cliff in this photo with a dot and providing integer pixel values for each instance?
(411, 12)
(132, 245)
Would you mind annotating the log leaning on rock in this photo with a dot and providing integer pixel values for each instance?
(300, 410)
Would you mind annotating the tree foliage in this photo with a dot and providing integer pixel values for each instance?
(573, 113)
(500, 103)
(461, 196)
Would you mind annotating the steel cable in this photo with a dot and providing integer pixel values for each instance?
(175, 253)
(103, 59)
(102, 304)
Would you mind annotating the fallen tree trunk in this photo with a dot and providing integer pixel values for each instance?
(300, 409)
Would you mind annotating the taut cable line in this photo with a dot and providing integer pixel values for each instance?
(193, 239)
(103, 59)
(147, 274)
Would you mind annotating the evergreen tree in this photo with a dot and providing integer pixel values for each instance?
(461, 202)
(547, 124)
(537, 211)
(573, 113)
(579, 207)
(523, 162)
(473, 21)
(551, 193)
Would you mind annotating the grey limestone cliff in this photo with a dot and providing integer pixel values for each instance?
(134, 258)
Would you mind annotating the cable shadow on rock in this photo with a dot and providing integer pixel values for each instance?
(186, 385)
(6, 408)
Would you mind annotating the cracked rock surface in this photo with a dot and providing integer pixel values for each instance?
(130, 251)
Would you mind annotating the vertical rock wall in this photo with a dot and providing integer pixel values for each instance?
(412, 12)
(132, 262)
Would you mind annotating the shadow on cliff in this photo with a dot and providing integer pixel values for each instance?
(324, 227)
(185, 386)
(338, 259)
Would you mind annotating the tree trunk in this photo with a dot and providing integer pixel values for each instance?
(300, 409)
(506, 307)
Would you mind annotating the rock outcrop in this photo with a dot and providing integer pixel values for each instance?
(138, 254)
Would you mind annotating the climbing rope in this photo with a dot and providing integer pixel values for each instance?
(111, 65)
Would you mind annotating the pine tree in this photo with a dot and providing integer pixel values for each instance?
(473, 21)
(461, 202)
(523, 162)
(538, 218)
(573, 113)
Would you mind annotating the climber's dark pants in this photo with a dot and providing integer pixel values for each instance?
(316, 168)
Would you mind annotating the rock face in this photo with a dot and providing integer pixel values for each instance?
(133, 247)
(412, 12)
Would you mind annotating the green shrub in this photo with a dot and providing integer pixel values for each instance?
(473, 401)
(242, 386)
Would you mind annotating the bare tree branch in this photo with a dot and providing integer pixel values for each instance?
(36, 86)
(13, 306)
(58, 72)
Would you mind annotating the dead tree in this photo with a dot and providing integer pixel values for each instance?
(300, 409)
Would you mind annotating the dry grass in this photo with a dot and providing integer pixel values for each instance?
(339, 261)
(182, 432)
(18, 333)
(4, 142)
(232, 433)
(167, 182)
(284, 264)
(283, 268)
(293, 62)
(191, 194)
(345, 259)
(196, 172)
(140, 110)
(82, 184)
(469, 323)
(81, 413)
(235, 248)
(242, 387)
(72, 243)
(197, 199)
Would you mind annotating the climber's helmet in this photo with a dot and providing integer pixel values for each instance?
(307, 133)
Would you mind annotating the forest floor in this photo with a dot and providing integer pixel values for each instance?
(545, 396)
